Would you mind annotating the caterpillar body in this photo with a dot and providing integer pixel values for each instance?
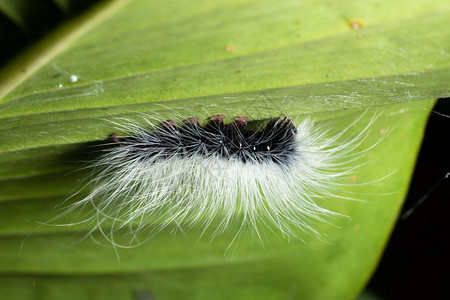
(217, 175)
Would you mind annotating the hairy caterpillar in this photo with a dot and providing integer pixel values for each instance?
(216, 175)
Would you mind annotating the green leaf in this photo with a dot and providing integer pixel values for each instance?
(255, 58)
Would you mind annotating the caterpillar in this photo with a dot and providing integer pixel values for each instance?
(218, 175)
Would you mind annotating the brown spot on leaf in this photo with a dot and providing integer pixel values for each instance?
(355, 24)
(229, 48)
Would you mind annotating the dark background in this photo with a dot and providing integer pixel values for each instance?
(416, 262)
(38, 18)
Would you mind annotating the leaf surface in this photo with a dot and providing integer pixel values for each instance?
(255, 58)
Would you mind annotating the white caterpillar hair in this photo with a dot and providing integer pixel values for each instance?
(182, 174)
